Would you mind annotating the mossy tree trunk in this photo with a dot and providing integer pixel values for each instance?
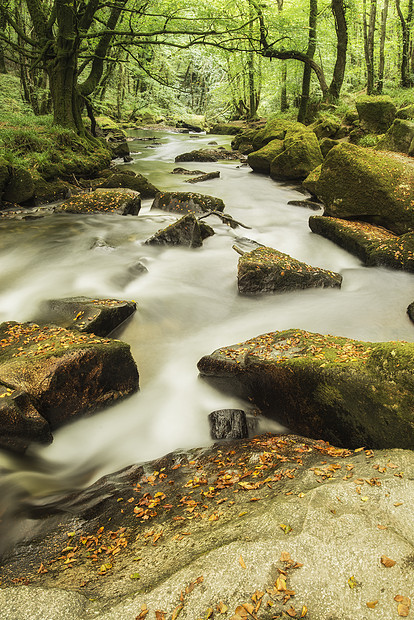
(310, 52)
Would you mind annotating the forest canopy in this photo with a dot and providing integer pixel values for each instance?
(237, 59)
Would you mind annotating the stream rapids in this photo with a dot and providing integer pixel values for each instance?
(187, 306)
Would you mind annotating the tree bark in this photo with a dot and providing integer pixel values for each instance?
(381, 64)
(341, 30)
(369, 32)
(310, 52)
(406, 81)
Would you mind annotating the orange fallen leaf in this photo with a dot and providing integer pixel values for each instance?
(143, 612)
(160, 615)
(242, 564)
(403, 610)
(387, 562)
(177, 612)
(222, 608)
(304, 611)
(291, 612)
(372, 604)
(285, 557)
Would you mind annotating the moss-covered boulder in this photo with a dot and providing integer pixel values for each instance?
(187, 202)
(325, 128)
(326, 144)
(376, 113)
(399, 138)
(300, 156)
(243, 142)
(50, 191)
(265, 270)
(275, 129)
(373, 245)
(20, 423)
(84, 314)
(187, 231)
(260, 160)
(365, 184)
(227, 129)
(348, 392)
(4, 175)
(102, 200)
(310, 183)
(19, 187)
(208, 155)
(65, 373)
(136, 182)
(407, 112)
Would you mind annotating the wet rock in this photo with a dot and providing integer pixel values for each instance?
(407, 112)
(187, 202)
(359, 183)
(373, 245)
(102, 245)
(95, 316)
(228, 424)
(4, 175)
(410, 311)
(187, 231)
(186, 171)
(260, 160)
(119, 148)
(121, 201)
(136, 182)
(399, 138)
(65, 373)
(243, 142)
(204, 177)
(208, 155)
(20, 423)
(308, 204)
(376, 113)
(265, 270)
(348, 392)
(20, 186)
(284, 520)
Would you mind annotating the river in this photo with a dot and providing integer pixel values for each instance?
(188, 305)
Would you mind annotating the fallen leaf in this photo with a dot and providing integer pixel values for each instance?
(352, 582)
(143, 612)
(209, 613)
(304, 611)
(382, 527)
(398, 503)
(291, 612)
(222, 608)
(177, 612)
(242, 564)
(387, 562)
(402, 599)
(403, 610)
(134, 576)
(285, 557)
(372, 604)
(160, 615)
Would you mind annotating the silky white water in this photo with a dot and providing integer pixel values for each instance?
(188, 305)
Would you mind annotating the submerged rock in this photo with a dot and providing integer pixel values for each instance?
(265, 270)
(121, 201)
(355, 182)
(373, 245)
(269, 523)
(65, 373)
(410, 311)
(96, 316)
(348, 392)
(20, 423)
(228, 424)
(136, 182)
(187, 202)
(187, 231)
(204, 177)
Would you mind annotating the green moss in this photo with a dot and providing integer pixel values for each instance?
(399, 137)
(376, 113)
(302, 154)
(260, 160)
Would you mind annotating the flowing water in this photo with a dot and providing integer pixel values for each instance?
(188, 306)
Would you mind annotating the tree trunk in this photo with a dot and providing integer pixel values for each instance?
(406, 81)
(310, 52)
(341, 30)
(369, 32)
(381, 64)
